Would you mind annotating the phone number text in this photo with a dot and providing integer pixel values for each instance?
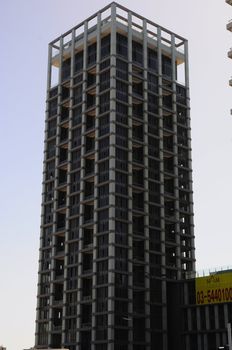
(219, 295)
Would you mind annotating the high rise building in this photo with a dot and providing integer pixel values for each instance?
(117, 209)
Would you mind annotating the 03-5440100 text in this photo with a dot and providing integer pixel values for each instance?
(219, 295)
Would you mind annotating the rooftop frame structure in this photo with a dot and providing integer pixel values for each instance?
(123, 18)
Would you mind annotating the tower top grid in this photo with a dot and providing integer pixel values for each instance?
(121, 15)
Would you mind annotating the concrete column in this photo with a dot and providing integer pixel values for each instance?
(207, 317)
(49, 72)
(43, 191)
(94, 292)
(111, 252)
(198, 316)
(163, 248)
(68, 185)
(189, 153)
(55, 206)
(146, 189)
(175, 150)
(130, 182)
(82, 174)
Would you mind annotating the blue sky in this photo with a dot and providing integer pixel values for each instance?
(26, 27)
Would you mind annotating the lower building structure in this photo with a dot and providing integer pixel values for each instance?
(198, 317)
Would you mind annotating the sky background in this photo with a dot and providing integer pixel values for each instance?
(26, 28)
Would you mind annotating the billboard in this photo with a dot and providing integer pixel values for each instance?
(215, 288)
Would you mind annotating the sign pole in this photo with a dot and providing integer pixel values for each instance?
(229, 336)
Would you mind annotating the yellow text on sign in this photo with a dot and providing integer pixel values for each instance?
(213, 289)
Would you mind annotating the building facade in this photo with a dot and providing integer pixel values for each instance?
(117, 208)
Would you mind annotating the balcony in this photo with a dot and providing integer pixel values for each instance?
(87, 289)
(86, 297)
(88, 213)
(137, 110)
(87, 272)
(89, 190)
(63, 156)
(59, 254)
(169, 186)
(168, 123)
(89, 166)
(90, 122)
(65, 94)
(91, 100)
(138, 177)
(168, 165)
(138, 202)
(90, 144)
(92, 55)
(88, 238)
(229, 26)
(168, 144)
(63, 135)
(137, 75)
(229, 54)
(169, 209)
(138, 252)
(58, 277)
(58, 302)
(181, 95)
(137, 132)
(64, 116)
(61, 199)
(60, 222)
(137, 90)
(57, 328)
(91, 80)
(137, 155)
(86, 325)
(167, 68)
(62, 177)
(167, 102)
(66, 68)
(229, 2)
(138, 276)
(138, 225)
(53, 92)
(170, 232)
